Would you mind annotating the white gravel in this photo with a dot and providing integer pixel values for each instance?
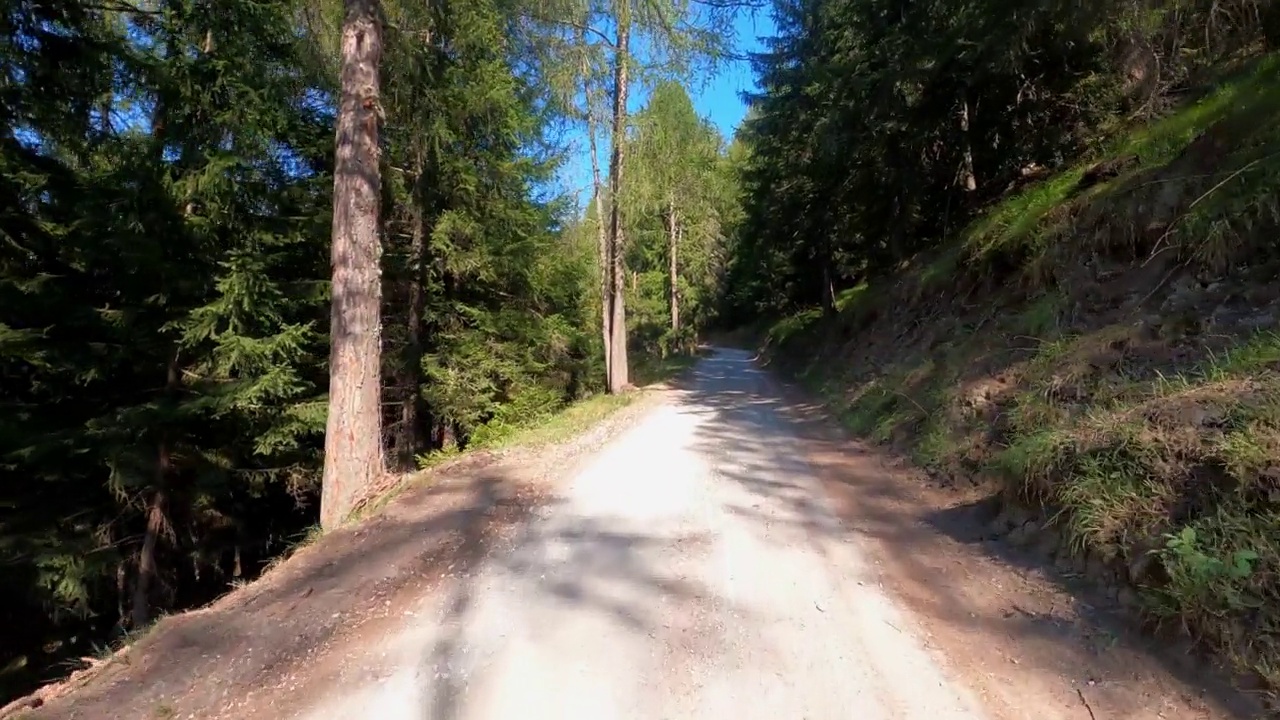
(691, 570)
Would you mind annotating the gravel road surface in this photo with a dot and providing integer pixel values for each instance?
(691, 569)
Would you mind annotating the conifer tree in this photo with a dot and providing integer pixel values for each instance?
(353, 436)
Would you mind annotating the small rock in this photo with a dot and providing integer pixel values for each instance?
(1024, 534)
(1097, 569)
(1047, 546)
(1140, 566)
(1063, 562)
(1001, 524)
(1019, 515)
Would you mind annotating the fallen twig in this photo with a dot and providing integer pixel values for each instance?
(1155, 250)
(1085, 702)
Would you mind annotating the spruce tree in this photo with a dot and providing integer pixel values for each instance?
(353, 435)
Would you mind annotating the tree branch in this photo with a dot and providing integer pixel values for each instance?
(122, 7)
(575, 25)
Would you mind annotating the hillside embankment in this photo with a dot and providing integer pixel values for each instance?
(1101, 350)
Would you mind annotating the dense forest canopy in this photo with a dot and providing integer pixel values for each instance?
(882, 128)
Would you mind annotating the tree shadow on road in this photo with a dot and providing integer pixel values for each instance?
(767, 438)
(564, 565)
(246, 645)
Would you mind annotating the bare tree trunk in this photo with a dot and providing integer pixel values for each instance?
(673, 237)
(605, 260)
(828, 289)
(157, 506)
(353, 436)
(413, 435)
(618, 372)
(602, 248)
(157, 520)
(156, 523)
(967, 177)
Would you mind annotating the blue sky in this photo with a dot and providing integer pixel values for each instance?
(718, 99)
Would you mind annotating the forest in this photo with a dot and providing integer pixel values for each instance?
(172, 203)
(254, 256)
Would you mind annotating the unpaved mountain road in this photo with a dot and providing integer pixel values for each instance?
(690, 571)
(697, 568)
(724, 553)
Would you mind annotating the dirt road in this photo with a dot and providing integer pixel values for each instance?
(693, 569)
(661, 586)
(720, 552)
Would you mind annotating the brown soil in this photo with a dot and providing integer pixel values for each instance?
(1033, 641)
(248, 653)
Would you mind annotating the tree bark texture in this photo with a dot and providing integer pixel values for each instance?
(413, 437)
(140, 613)
(673, 237)
(602, 233)
(353, 436)
(967, 177)
(827, 288)
(618, 371)
(157, 513)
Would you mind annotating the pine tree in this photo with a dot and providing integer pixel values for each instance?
(353, 436)
(675, 159)
(160, 307)
(676, 37)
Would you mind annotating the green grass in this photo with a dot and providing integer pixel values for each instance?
(1020, 221)
(1127, 464)
(556, 427)
(568, 423)
(850, 299)
(1249, 94)
(1026, 224)
(1177, 463)
(788, 328)
(1040, 317)
(652, 369)
(941, 269)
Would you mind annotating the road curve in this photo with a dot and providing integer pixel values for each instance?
(692, 569)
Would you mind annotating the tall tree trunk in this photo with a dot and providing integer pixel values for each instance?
(157, 509)
(158, 505)
(140, 614)
(828, 288)
(967, 177)
(602, 235)
(618, 373)
(673, 237)
(606, 263)
(413, 437)
(353, 436)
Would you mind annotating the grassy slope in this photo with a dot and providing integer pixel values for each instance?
(1107, 356)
